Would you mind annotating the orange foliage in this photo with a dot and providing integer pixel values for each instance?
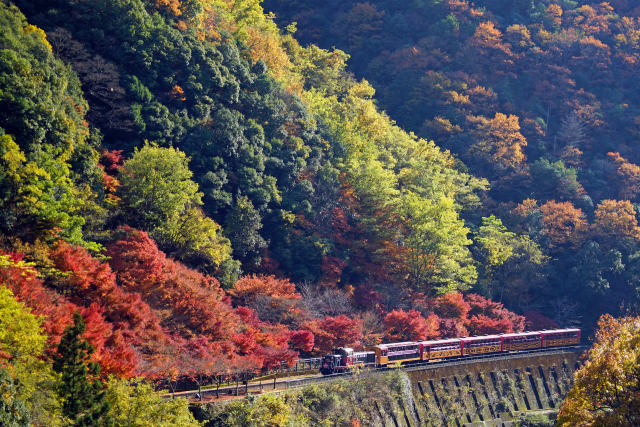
(615, 219)
(572, 156)
(487, 36)
(628, 176)
(177, 93)
(172, 6)
(489, 49)
(563, 224)
(248, 287)
(499, 140)
(606, 389)
(525, 208)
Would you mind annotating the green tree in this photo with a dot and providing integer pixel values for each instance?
(512, 265)
(81, 390)
(159, 196)
(13, 410)
(156, 186)
(42, 115)
(439, 259)
(134, 403)
(243, 226)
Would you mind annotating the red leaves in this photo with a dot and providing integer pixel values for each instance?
(410, 326)
(331, 332)
(452, 306)
(136, 259)
(536, 321)
(112, 160)
(58, 310)
(490, 317)
(301, 340)
(265, 342)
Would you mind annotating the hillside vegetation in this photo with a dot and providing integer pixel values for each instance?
(187, 192)
(540, 98)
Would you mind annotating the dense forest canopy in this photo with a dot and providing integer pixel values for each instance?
(187, 191)
(540, 98)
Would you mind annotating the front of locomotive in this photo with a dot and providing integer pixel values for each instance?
(330, 364)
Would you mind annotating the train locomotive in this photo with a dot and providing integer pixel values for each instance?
(345, 359)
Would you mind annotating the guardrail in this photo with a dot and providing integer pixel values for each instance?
(301, 365)
(248, 388)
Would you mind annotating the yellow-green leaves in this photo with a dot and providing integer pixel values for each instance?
(438, 260)
(21, 336)
(134, 403)
(160, 197)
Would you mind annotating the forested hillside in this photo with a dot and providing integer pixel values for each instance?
(186, 191)
(539, 97)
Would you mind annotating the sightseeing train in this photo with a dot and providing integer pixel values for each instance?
(344, 359)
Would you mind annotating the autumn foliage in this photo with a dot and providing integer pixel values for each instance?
(332, 332)
(410, 326)
(606, 390)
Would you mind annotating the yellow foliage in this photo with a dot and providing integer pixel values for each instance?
(39, 32)
(268, 48)
(606, 391)
(172, 6)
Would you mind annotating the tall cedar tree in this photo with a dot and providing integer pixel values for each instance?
(81, 389)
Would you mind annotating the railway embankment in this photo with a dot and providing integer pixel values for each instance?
(494, 392)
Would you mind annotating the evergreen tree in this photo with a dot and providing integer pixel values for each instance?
(83, 394)
(13, 410)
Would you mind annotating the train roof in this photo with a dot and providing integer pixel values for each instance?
(481, 338)
(556, 331)
(447, 341)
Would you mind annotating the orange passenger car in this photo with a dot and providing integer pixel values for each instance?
(439, 349)
(401, 352)
(560, 337)
(521, 341)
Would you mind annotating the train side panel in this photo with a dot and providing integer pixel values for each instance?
(403, 352)
(440, 349)
(522, 341)
(560, 337)
(481, 345)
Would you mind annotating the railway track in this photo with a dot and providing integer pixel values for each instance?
(239, 389)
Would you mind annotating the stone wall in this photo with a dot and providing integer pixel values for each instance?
(492, 390)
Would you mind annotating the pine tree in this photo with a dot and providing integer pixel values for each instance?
(81, 389)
